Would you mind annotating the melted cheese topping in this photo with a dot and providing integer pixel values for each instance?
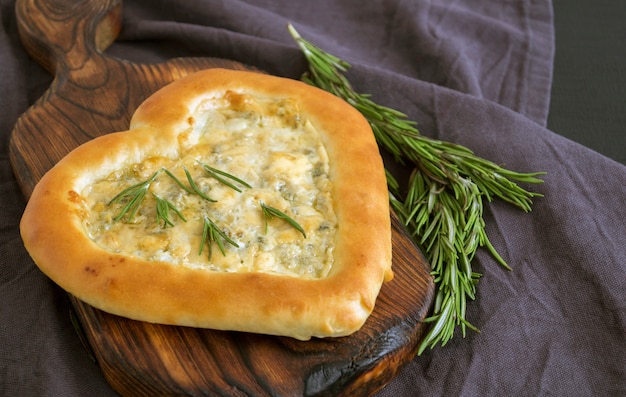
(265, 142)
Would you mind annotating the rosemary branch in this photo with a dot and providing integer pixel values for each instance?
(212, 233)
(163, 207)
(271, 213)
(196, 189)
(135, 195)
(443, 205)
(224, 177)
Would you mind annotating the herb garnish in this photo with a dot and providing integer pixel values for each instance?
(271, 212)
(163, 207)
(178, 182)
(224, 176)
(212, 233)
(135, 195)
(443, 205)
(195, 187)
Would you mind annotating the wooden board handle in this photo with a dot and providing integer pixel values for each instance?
(92, 93)
(68, 34)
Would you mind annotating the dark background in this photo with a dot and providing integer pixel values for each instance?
(588, 104)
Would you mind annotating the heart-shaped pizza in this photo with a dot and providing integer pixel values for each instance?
(235, 201)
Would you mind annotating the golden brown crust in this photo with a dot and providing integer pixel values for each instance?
(255, 302)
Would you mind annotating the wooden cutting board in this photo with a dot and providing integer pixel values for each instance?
(93, 94)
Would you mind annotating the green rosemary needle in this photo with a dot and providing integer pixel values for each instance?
(223, 177)
(163, 207)
(135, 195)
(271, 212)
(195, 187)
(211, 233)
(178, 182)
(443, 206)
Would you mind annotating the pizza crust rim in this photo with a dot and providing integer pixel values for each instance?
(160, 292)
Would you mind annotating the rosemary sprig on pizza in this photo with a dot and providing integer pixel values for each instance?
(443, 205)
(131, 198)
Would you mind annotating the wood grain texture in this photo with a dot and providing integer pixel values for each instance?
(93, 94)
(143, 359)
